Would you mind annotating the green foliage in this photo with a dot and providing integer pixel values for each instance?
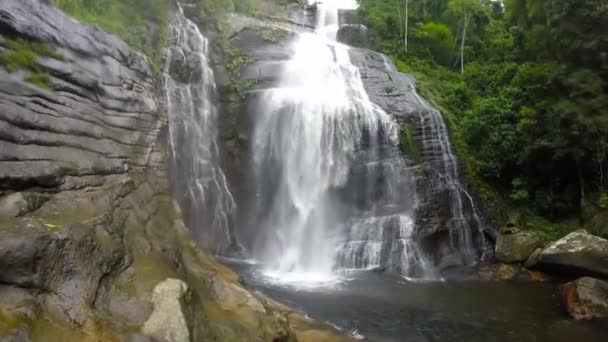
(273, 35)
(603, 201)
(205, 11)
(438, 39)
(40, 79)
(529, 115)
(143, 24)
(23, 54)
(18, 59)
(520, 191)
(408, 144)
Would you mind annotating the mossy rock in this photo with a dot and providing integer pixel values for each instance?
(21, 54)
(408, 144)
(518, 247)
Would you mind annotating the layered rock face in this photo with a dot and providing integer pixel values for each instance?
(92, 244)
(449, 226)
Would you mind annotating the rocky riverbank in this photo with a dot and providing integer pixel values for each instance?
(578, 254)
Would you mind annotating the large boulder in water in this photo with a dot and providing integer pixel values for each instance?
(519, 246)
(586, 298)
(578, 253)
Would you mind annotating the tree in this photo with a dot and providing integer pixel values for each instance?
(465, 11)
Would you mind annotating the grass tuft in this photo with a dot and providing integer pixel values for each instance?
(142, 24)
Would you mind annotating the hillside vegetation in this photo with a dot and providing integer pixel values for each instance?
(523, 86)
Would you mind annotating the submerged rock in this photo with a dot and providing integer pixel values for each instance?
(519, 246)
(167, 322)
(586, 298)
(497, 272)
(578, 253)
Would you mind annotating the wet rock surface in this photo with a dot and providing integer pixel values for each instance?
(354, 35)
(451, 229)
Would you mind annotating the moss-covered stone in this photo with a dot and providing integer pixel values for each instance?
(21, 54)
(519, 246)
(9, 322)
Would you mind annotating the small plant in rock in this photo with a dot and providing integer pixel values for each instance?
(603, 201)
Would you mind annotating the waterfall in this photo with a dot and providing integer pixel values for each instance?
(197, 178)
(334, 191)
(437, 151)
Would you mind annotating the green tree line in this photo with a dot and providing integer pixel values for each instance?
(523, 86)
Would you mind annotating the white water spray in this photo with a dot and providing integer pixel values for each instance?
(198, 179)
(311, 131)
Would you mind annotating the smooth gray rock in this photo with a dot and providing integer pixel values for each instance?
(167, 322)
(354, 35)
(578, 253)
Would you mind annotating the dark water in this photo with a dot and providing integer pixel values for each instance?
(387, 309)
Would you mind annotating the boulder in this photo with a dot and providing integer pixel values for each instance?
(19, 203)
(23, 247)
(586, 298)
(234, 298)
(578, 253)
(354, 35)
(519, 246)
(167, 322)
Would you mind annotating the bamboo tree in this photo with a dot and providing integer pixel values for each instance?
(398, 3)
(464, 37)
(405, 36)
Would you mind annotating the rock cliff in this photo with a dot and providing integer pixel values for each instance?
(92, 244)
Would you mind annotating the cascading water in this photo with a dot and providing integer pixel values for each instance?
(333, 189)
(197, 179)
(437, 149)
